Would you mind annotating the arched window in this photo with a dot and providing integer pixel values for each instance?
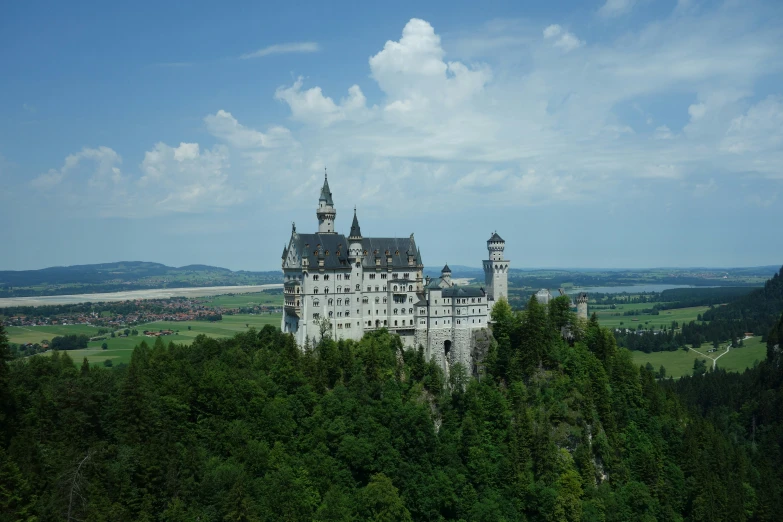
(410, 288)
(377, 300)
(410, 310)
(395, 288)
(339, 302)
(315, 290)
(347, 313)
(395, 311)
(365, 300)
(315, 277)
(339, 289)
(358, 288)
(326, 290)
(331, 302)
(316, 303)
(395, 323)
(384, 300)
(331, 313)
(376, 288)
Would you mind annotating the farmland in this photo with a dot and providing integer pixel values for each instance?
(119, 349)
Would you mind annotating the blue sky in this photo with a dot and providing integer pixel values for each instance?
(614, 133)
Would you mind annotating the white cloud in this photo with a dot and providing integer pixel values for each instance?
(286, 48)
(528, 125)
(562, 39)
(103, 169)
(614, 8)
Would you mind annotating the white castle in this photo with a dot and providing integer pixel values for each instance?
(349, 286)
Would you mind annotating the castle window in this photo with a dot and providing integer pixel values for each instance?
(394, 276)
(384, 300)
(377, 300)
(339, 314)
(479, 300)
(406, 276)
(315, 277)
(347, 313)
(410, 288)
(347, 277)
(395, 311)
(394, 288)
(364, 300)
(316, 302)
(316, 316)
(345, 290)
(331, 302)
(369, 289)
(339, 277)
(331, 313)
(376, 288)
(395, 323)
(339, 302)
(458, 311)
(383, 276)
(315, 290)
(384, 322)
(369, 323)
(410, 310)
(326, 277)
(339, 289)
(326, 290)
(358, 288)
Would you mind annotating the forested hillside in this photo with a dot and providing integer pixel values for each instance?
(251, 428)
(755, 312)
(122, 276)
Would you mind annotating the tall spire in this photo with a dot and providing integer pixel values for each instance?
(326, 194)
(356, 232)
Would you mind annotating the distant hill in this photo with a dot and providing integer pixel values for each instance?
(123, 275)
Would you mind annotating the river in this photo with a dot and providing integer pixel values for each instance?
(157, 293)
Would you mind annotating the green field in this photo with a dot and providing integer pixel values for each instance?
(120, 348)
(664, 318)
(36, 334)
(680, 363)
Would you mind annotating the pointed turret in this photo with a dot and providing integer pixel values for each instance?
(326, 212)
(326, 194)
(356, 232)
(445, 274)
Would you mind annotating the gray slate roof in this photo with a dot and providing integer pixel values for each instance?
(396, 246)
(312, 246)
(326, 194)
(446, 269)
(461, 291)
(496, 237)
(355, 230)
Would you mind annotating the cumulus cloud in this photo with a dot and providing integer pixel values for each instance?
(102, 168)
(551, 130)
(613, 8)
(285, 48)
(561, 38)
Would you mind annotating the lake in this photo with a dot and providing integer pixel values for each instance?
(631, 289)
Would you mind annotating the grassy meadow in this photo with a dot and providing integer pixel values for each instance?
(120, 348)
(680, 363)
(609, 318)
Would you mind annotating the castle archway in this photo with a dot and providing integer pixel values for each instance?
(446, 347)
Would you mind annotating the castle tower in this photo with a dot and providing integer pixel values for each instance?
(445, 274)
(326, 212)
(581, 305)
(496, 268)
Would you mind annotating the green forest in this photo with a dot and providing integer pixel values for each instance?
(252, 428)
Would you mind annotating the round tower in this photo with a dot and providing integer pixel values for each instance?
(326, 212)
(581, 305)
(496, 268)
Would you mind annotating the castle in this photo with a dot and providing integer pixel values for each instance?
(347, 286)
